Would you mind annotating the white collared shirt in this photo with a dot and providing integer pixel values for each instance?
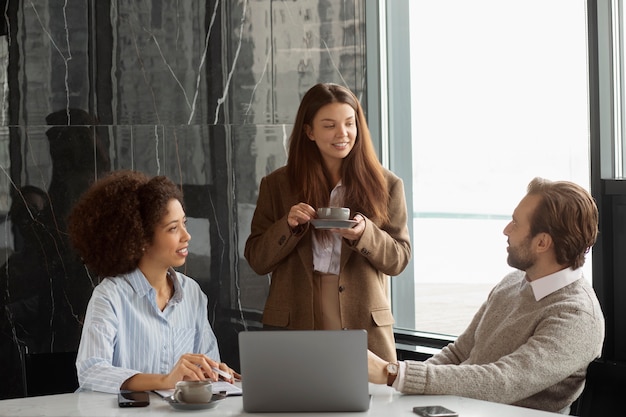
(327, 254)
(545, 286)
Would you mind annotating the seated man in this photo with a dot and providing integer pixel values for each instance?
(530, 343)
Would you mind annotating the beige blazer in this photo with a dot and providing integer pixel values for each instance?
(273, 249)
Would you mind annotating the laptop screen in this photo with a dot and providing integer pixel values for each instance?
(304, 370)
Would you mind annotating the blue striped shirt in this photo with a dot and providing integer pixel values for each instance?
(125, 333)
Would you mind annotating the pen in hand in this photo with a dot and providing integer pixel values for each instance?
(221, 373)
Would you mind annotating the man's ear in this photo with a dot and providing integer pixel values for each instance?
(543, 242)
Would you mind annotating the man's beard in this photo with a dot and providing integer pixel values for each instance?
(520, 256)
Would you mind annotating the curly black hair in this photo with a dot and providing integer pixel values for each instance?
(116, 217)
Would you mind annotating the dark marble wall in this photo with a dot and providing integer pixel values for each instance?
(201, 91)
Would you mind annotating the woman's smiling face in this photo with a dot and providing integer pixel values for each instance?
(171, 239)
(334, 131)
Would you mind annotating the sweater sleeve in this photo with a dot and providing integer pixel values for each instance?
(459, 351)
(562, 344)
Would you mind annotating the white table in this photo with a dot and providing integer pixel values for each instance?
(385, 402)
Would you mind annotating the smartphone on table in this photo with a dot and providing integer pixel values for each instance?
(434, 411)
(133, 398)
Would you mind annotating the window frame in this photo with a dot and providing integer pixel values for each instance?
(399, 130)
(607, 140)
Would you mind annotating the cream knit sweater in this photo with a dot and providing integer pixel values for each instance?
(517, 350)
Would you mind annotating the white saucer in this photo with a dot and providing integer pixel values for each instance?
(333, 224)
(215, 400)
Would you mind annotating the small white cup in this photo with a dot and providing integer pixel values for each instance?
(333, 213)
(193, 391)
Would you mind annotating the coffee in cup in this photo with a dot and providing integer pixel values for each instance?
(333, 213)
(193, 391)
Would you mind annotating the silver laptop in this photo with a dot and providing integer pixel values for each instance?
(304, 370)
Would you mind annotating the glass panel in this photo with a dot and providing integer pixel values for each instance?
(617, 16)
(499, 96)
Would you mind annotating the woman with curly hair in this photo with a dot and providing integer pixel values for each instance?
(146, 325)
(337, 278)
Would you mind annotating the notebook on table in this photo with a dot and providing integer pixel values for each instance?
(304, 370)
(219, 387)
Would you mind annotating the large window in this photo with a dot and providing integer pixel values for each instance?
(498, 95)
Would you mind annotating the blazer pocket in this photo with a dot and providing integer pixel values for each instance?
(276, 317)
(383, 317)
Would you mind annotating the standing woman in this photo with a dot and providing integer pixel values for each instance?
(334, 279)
(146, 325)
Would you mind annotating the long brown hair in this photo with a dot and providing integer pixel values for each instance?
(362, 173)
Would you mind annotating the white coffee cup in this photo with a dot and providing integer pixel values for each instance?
(193, 391)
(333, 213)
